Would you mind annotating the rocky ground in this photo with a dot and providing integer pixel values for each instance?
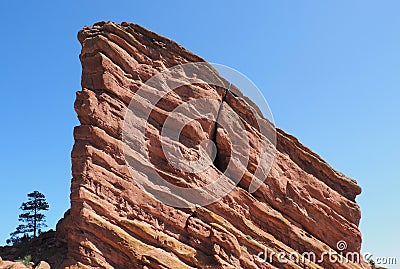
(39, 253)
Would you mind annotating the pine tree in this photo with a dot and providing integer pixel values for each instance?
(32, 218)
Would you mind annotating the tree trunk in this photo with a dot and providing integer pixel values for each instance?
(34, 221)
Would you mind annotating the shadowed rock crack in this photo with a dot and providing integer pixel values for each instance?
(217, 161)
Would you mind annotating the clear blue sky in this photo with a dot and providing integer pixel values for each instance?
(329, 70)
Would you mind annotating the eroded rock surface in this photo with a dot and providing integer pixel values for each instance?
(21, 265)
(304, 205)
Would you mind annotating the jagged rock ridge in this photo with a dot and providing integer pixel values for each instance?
(304, 204)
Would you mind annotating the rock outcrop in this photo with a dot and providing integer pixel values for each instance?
(11, 265)
(46, 249)
(303, 206)
(21, 265)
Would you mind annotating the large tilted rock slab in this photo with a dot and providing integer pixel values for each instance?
(304, 205)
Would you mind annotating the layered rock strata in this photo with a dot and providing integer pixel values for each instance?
(303, 206)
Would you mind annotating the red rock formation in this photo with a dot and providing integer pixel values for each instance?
(21, 265)
(11, 265)
(303, 206)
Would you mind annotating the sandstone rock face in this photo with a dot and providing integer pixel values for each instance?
(303, 206)
(42, 265)
(20, 265)
(11, 265)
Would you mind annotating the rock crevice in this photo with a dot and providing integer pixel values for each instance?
(218, 160)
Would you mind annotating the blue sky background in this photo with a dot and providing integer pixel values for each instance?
(329, 70)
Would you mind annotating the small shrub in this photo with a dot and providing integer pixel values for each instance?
(248, 237)
(26, 260)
